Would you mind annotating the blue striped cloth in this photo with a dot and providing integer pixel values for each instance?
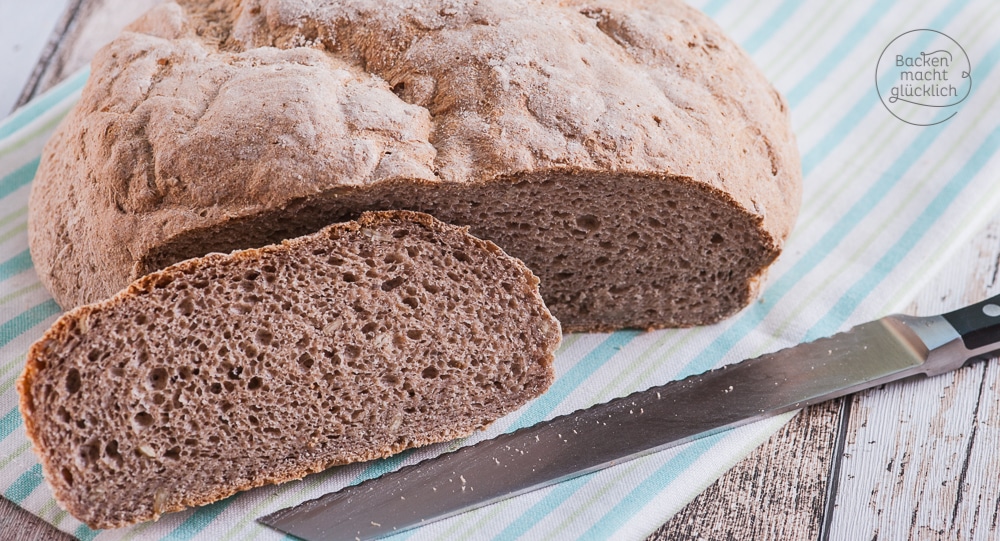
(886, 204)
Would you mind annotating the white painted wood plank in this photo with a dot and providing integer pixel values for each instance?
(97, 23)
(25, 28)
(921, 460)
(776, 493)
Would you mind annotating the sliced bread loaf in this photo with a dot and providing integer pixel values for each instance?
(233, 371)
(626, 150)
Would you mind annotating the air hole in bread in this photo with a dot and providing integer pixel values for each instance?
(588, 222)
(389, 285)
(306, 361)
(67, 476)
(157, 378)
(264, 337)
(72, 381)
(111, 452)
(142, 420)
(88, 453)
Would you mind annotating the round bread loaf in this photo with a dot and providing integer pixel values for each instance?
(627, 151)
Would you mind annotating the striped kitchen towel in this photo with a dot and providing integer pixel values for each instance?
(886, 203)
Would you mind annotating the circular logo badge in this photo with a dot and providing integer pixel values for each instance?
(923, 77)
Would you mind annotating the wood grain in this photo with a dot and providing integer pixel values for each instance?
(86, 26)
(920, 458)
(777, 492)
(918, 461)
(34, 86)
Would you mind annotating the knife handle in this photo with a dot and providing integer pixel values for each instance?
(979, 325)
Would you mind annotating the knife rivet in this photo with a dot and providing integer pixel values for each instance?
(991, 310)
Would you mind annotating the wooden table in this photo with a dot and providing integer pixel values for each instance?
(908, 461)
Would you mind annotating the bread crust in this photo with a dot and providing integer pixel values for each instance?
(42, 354)
(207, 112)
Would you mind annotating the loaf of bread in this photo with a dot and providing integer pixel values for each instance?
(627, 151)
(228, 372)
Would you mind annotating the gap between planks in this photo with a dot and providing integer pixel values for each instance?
(919, 469)
(897, 467)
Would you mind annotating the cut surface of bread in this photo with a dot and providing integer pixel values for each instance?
(229, 372)
(627, 151)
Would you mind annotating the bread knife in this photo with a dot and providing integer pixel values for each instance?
(870, 354)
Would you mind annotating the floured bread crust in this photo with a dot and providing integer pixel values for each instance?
(563, 131)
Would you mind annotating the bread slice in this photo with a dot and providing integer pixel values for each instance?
(234, 371)
(626, 150)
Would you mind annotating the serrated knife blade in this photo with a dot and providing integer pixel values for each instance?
(871, 354)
